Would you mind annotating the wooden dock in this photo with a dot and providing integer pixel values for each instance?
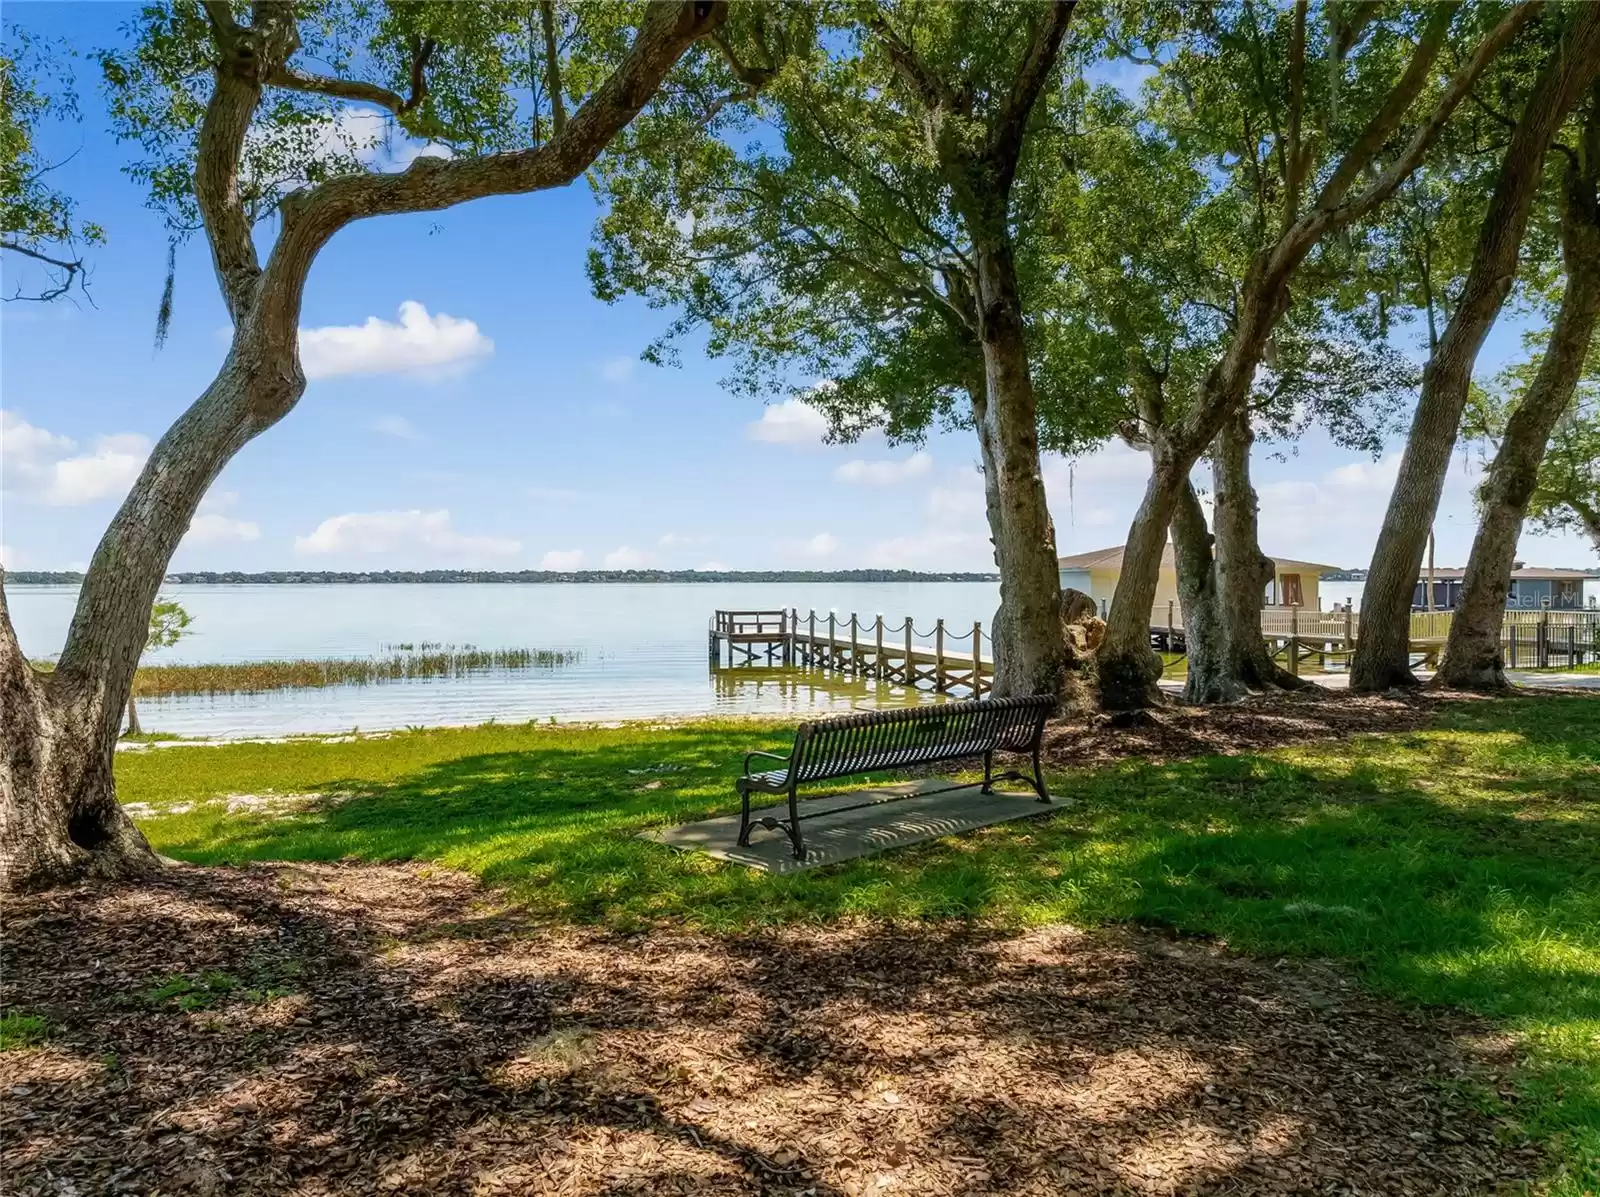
(943, 660)
(938, 658)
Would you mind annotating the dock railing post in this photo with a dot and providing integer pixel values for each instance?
(855, 650)
(977, 658)
(1349, 624)
(938, 657)
(811, 639)
(877, 659)
(1294, 639)
(833, 653)
(908, 675)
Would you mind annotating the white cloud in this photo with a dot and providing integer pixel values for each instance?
(823, 544)
(682, 540)
(885, 473)
(618, 369)
(373, 138)
(712, 567)
(10, 558)
(419, 344)
(42, 465)
(792, 422)
(215, 528)
(375, 532)
(626, 557)
(562, 561)
(212, 524)
(398, 427)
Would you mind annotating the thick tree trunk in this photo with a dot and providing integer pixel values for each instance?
(1472, 657)
(1210, 679)
(1243, 571)
(1382, 657)
(59, 817)
(1034, 659)
(1002, 631)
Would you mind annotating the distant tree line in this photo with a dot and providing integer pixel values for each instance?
(25, 577)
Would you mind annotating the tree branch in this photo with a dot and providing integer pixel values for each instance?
(234, 98)
(754, 77)
(1294, 167)
(552, 67)
(932, 92)
(312, 216)
(293, 79)
(1395, 106)
(1428, 132)
(74, 270)
(1005, 145)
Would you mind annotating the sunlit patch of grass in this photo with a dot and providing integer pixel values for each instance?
(1456, 865)
(19, 1030)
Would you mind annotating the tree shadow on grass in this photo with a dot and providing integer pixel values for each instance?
(397, 1057)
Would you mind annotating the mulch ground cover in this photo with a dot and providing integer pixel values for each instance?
(321, 1029)
(1253, 724)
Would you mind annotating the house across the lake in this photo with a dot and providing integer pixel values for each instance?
(1294, 583)
(1532, 589)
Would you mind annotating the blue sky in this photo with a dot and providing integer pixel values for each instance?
(472, 404)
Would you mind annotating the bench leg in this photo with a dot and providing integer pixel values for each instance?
(1038, 778)
(988, 773)
(794, 826)
(744, 819)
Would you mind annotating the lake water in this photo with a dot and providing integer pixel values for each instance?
(643, 649)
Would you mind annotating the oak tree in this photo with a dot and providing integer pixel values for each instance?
(242, 116)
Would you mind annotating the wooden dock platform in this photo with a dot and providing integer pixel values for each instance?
(901, 653)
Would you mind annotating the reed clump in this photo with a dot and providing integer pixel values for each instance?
(399, 663)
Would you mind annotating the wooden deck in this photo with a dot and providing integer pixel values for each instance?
(1529, 639)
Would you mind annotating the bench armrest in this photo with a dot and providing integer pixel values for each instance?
(772, 756)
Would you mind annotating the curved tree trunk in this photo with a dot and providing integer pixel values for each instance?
(1129, 668)
(59, 817)
(1210, 678)
(1472, 657)
(1244, 572)
(1382, 656)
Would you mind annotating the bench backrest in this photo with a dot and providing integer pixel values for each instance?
(918, 735)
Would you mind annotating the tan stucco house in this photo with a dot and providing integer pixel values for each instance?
(1294, 583)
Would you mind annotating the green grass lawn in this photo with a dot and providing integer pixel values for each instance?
(1458, 865)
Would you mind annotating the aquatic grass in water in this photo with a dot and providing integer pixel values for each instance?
(403, 662)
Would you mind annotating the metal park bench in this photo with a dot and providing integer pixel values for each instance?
(843, 747)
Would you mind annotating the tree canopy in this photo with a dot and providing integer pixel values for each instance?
(39, 223)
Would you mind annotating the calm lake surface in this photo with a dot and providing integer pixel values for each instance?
(643, 649)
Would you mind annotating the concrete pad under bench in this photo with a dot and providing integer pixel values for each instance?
(840, 827)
